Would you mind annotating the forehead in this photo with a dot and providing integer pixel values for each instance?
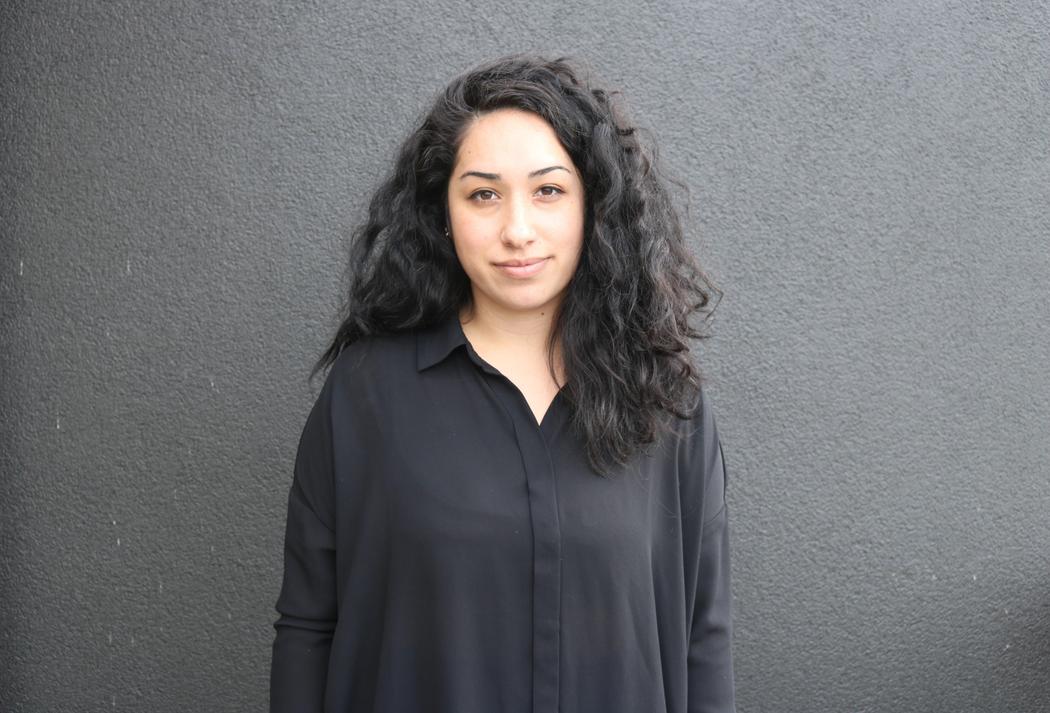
(510, 138)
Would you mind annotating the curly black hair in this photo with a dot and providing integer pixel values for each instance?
(625, 323)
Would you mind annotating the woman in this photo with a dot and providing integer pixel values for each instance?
(509, 495)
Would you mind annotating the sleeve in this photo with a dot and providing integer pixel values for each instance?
(711, 686)
(307, 601)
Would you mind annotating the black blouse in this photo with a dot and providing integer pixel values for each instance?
(445, 553)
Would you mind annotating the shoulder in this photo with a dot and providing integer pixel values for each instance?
(359, 387)
(701, 468)
(697, 424)
(373, 360)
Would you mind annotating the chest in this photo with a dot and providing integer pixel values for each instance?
(467, 472)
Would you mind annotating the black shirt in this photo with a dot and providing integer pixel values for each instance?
(445, 553)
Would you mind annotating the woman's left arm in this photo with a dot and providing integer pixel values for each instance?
(710, 662)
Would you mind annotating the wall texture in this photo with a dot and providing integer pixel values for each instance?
(870, 186)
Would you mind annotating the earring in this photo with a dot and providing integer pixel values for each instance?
(446, 232)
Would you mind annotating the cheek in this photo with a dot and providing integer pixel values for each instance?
(572, 233)
(470, 250)
(570, 223)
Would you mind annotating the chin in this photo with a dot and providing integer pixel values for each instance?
(531, 305)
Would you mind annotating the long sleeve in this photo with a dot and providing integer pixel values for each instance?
(710, 663)
(307, 602)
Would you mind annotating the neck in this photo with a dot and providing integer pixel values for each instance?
(494, 329)
(502, 328)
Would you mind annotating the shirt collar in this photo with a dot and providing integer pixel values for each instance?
(436, 342)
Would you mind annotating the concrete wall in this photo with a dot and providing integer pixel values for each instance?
(870, 184)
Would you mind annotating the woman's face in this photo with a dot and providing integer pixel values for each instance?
(516, 212)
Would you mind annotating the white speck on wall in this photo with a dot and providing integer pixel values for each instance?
(212, 382)
(160, 587)
(975, 578)
(19, 267)
(118, 542)
(58, 423)
(127, 266)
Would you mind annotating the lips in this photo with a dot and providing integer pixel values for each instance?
(520, 269)
(520, 263)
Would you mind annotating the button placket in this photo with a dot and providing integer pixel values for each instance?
(546, 536)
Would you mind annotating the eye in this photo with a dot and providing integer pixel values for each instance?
(477, 195)
(484, 195)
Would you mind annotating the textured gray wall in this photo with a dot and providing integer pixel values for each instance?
(870, 184)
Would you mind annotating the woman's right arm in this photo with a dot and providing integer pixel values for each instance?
(307, 602)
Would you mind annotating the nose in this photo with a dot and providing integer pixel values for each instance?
(518, 230)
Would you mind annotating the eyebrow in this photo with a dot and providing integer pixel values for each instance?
(496, 176)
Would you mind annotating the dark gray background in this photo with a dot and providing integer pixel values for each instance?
(870, 187)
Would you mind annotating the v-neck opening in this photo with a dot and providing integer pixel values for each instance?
(541, 423)
(547, 415)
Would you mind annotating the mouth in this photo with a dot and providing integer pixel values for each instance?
(520, 263)
(522, 268)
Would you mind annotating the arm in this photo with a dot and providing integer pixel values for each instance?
(307, 602)
(711, 685)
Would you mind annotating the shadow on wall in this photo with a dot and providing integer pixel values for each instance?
(984, 646)
(1021, 674)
